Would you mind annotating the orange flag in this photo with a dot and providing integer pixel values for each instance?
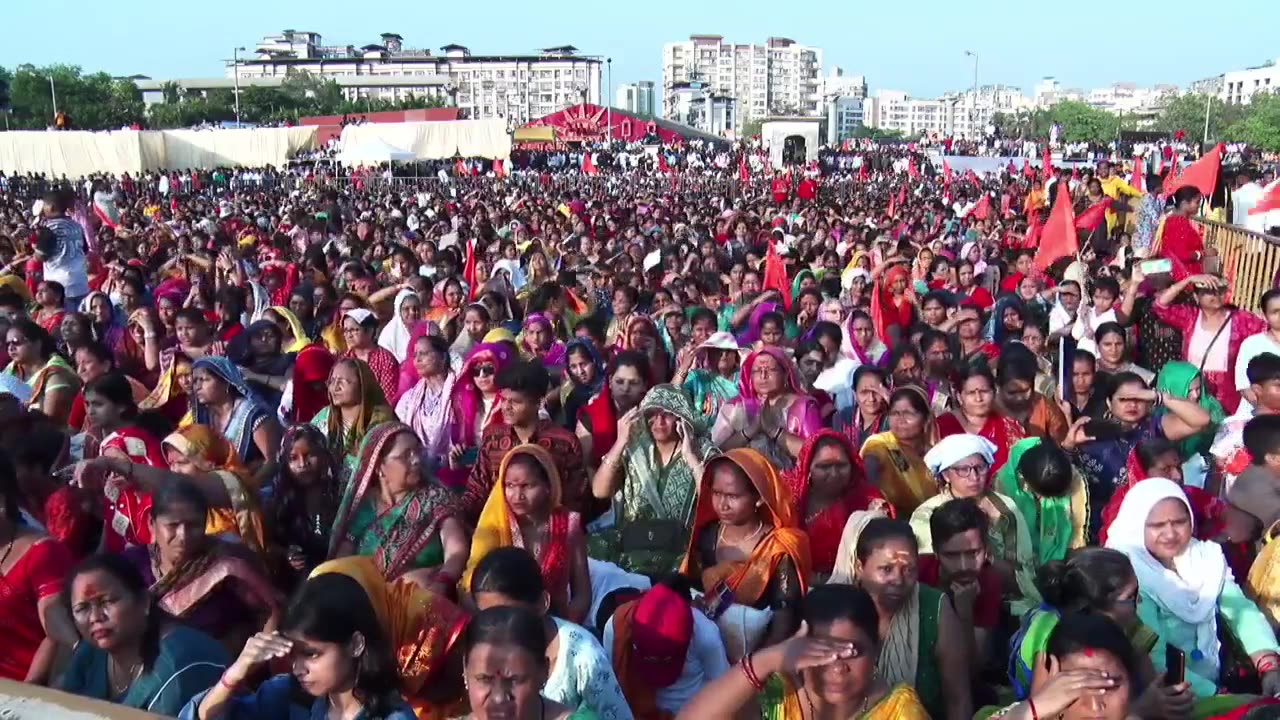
(1201, 174)
(775, 274)
(1046, 170)
(1058, 238)
(1138, 181)
(499, 167)
(983, 208)
(469, 270)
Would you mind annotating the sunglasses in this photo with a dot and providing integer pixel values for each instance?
(485, 370)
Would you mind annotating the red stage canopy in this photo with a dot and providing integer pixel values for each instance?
(589, 123)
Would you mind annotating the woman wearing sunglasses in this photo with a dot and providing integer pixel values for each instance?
(473, 407)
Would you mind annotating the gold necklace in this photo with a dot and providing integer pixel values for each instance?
(116, 687)
(720, 539)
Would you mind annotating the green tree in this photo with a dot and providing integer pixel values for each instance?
(1187, 113)
(1082, 123)
(751, 128)
(1260, 124)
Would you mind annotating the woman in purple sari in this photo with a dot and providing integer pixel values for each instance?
(538, 341)
(772, 413)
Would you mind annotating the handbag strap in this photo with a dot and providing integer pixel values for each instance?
(1216, 335)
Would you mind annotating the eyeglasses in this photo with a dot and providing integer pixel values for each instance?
(968, 471)
(485, 370)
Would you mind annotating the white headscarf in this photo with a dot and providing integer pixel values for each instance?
(395, 336)
(954, 448)
(514, 271)
(1190, 591)
(980, 265)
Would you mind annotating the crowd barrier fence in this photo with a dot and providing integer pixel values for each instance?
(1249, 261)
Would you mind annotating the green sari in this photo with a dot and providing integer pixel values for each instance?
(709, 390)
(655, 495)
(1052, 523)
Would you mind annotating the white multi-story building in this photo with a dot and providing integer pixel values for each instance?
(1050, 92)
(897, 110)
(519, 87)
(1239, 86)
(636, 98)
(779, 77)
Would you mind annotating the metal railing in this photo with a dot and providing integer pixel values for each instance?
(1249, 261)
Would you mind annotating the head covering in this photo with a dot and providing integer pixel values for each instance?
(228, 373)
(498, 335)
(751, 335)
(240, 349)
(311, 366)
(554, 354)
(465, 401)
(1189, 591)
(360, 315)
(373, 410)
(395, 336)
(19, 288)
(513, 270)
(1054, 513)
(746, 385)
(661, 631)
(495, 528)
(1176, 378)
(952, 449)
(300, 339)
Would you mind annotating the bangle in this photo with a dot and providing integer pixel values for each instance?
(1267, 663)
(1032, 704)
(749, 670)
(226, 685)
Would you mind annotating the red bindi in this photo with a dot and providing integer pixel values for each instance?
(1088, 652)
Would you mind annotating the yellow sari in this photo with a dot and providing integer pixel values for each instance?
(780, 700)
(422, 627)
(211, 453)
(300, 339)
(905, 480)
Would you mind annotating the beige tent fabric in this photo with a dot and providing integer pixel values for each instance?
(76, 154)
(437, 140)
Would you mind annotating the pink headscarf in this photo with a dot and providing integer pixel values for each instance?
(409, 373)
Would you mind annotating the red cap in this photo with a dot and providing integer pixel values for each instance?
(660, 635)
(778, 222)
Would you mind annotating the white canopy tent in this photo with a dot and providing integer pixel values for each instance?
(371, 151)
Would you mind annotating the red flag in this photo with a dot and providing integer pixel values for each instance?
(946, 172)
(1032, 238)
(972, 177)
(892, 206)
(1094, 216)
(469, 270)
(1269, 201)
(743, 173)
(1028, 170)
(1046, 169)
(499, 167)
(1058, 239)
(775, 275)
(460, 167)
(912, 170)
(663, 167)
(862, 171)
(1201, 174)
(588, 164)
(1138, 180)
(902, 195)
(983, 208)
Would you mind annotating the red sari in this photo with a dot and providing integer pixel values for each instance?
(1177, 237)
(127, 510)
(36, 575)
(601, 418)
(1003, 432)
(826, 527)
(385, 368)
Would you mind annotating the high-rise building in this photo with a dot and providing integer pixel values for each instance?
(519, 87)
(779, 77)
(845, 98)
(636, 98)
(1239, 86)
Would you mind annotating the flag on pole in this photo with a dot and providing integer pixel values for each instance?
(983, 208)
(862, 171)
(972, 177)
(1201, 174)
(1270, 201)
(1094, 216)
(469, 271)
(1046, 169)
(499, 167)
(775, 274)
(946, 172)
(1138, 180)
(588, 164)
(1058, 238)
(743, 173)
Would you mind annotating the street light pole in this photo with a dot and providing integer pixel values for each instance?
(235, 69)
(608, 113)
(1208, 101)
(973, 112)
(53, 91)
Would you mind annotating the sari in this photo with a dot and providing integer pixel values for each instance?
(497, 528)
(385, 368)
(213, 454)
(709, 389)
(1240, 326)
(1176, 379)
(886, 311)
(801, 417)
(422, 627)
(55, 374)
(780, 700)
(222, 590)
(553, 356)
(904, 478)
(657, 496)
(346, 441)
(748, 582)
(300, 337)
(127, 509)
(1177, 237)
(1002, 431)
(168, 397)
(425, 408)
(308, 391)
(402, 537)
(573, 395)
(827, 525)
(248, 413)
(466, 401)
(1061, 523)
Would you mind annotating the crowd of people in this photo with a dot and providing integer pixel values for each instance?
(557, 445)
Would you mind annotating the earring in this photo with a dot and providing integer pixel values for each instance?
(759, 503)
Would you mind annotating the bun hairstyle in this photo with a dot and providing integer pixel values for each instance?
(1088, 580)
(1047, 470)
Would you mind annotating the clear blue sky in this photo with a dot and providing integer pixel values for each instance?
(912, 45)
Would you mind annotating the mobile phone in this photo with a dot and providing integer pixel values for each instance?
(1102, 429)
(1155, 267)
(1175, 665)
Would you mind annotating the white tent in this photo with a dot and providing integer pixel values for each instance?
(371, 151)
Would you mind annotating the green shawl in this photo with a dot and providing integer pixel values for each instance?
(1050, 517)
(1175, 378)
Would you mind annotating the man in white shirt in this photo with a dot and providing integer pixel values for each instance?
(1255, 345)
(667, 650)
(1245, 194)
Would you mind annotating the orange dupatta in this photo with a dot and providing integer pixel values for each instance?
(211, 453)
(421, 626)
(748, 579)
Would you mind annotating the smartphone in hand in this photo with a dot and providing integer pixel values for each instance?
(1175, 666)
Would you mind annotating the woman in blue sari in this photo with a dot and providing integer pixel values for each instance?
(584, 378)
(224, 401)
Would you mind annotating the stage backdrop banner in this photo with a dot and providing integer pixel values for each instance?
(437, 140)
(76, 154)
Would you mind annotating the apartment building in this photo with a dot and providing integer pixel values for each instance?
(638, 98)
